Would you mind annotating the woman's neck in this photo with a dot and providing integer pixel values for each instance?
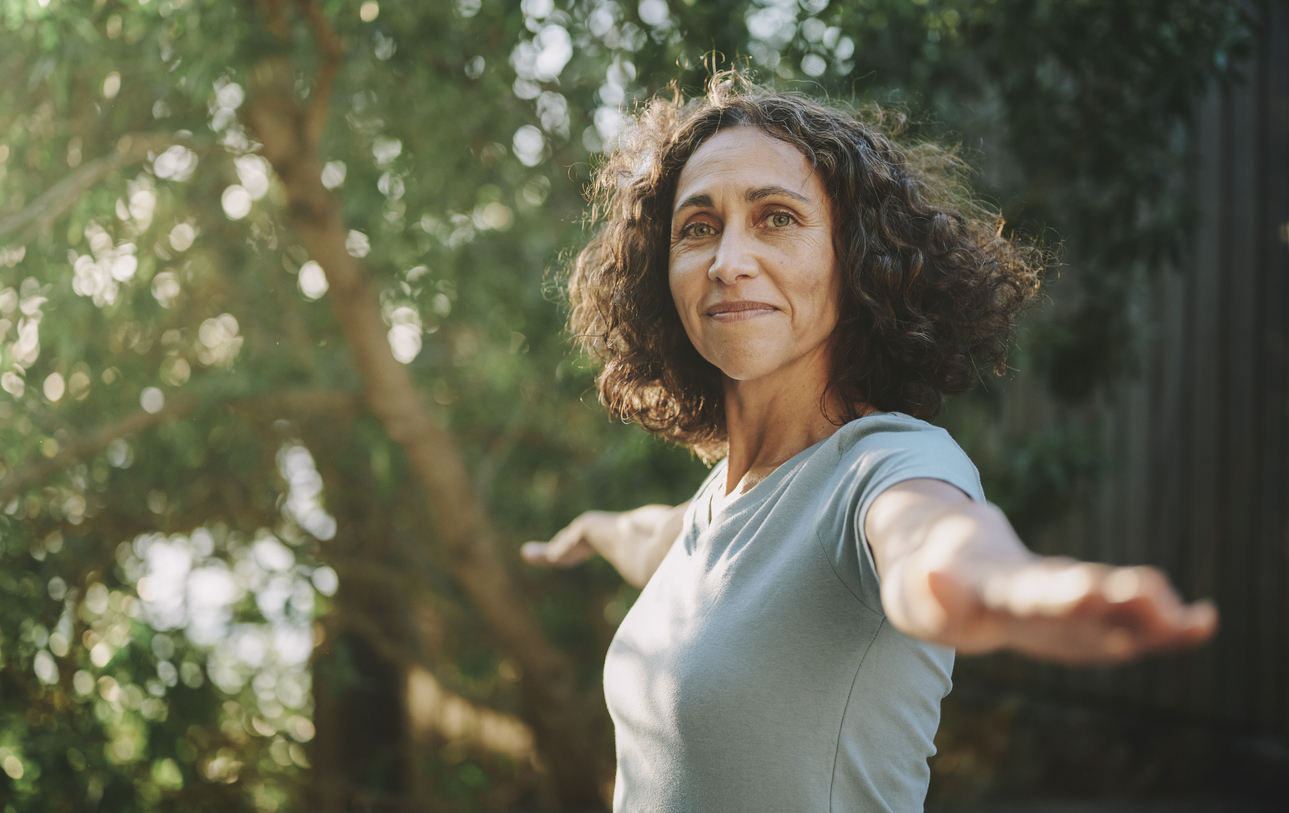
(768, 423)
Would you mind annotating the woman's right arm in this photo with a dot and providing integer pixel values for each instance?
(634, 542)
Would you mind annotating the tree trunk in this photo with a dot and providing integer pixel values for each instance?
(289, 134)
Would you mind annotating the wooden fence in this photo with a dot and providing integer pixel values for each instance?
(1199, 437)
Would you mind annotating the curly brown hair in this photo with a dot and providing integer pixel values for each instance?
(930, 288)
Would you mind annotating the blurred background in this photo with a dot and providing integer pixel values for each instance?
(285, 384)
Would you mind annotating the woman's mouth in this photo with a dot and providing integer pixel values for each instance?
(738, 311)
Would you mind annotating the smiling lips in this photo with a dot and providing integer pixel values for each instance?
(738, 311)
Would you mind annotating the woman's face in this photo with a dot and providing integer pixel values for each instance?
(751, 265)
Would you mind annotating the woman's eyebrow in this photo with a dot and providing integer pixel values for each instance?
(694, 201)
(769, 191)
(751, 195)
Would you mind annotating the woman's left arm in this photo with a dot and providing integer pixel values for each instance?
(954, 572)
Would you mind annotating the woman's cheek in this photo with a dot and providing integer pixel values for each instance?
(685, 289)
(694, 334)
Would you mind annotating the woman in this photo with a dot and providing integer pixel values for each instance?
(777, 284)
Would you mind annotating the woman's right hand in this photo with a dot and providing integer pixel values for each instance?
(634, 542)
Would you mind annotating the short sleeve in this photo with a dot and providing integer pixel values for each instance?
(879, 452)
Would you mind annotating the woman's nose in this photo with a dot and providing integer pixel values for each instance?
(735, 258)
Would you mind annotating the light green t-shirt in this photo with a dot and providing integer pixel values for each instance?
(757, 671)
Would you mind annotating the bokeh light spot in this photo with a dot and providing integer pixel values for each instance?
(333, 174)
(236, 201)
(313, 280)
(54, 387)
(152, 400)
(182, 236)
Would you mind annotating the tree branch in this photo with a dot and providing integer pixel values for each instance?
(57, 199)
(432, 707)
(376, 574)
(301, 403)
(315, 115)
(269, 406)
(374, 634)
(91, 444)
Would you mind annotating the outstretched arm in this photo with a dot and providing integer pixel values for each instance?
(634, 542)
(954, 572)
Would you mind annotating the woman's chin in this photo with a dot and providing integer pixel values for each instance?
(746, 372)
(797, 370)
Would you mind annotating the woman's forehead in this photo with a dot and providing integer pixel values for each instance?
(748, 157)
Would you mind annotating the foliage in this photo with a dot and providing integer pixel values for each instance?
(185, 459)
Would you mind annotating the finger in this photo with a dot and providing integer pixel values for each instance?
(1145, 588)
(1143, 598)
(1203, 616)
(1201, 621)
(1043, 589)
(1155, 624)
(566, 548)
(569, 546)
(1123, 584)
(545, 554)
(534, 553)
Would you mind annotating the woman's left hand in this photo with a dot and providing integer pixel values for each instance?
(1069, 611)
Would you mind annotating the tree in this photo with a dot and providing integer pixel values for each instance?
(276, 305)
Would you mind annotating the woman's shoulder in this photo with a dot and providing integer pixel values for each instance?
(889, 430)
(883, 448)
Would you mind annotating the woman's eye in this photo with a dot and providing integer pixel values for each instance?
(697, 230)
(780, 219)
